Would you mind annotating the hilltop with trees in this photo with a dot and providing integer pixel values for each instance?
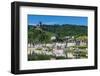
(42, 33)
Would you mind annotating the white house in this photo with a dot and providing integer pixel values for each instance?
(53, 38)
(59, 52)
(71, 44)
(70, 55)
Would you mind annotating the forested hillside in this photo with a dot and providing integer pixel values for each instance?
(63, 30)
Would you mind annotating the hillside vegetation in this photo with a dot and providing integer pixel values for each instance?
(62, 30)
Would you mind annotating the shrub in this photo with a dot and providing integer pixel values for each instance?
(39, 57)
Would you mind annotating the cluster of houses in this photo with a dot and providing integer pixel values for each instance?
(57, 48)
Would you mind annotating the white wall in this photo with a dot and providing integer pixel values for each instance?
(5, 22)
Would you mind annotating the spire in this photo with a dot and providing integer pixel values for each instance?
(40, 23)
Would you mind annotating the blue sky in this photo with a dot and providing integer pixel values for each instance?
(49, 19)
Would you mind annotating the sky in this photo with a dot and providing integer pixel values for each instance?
(49, 19)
